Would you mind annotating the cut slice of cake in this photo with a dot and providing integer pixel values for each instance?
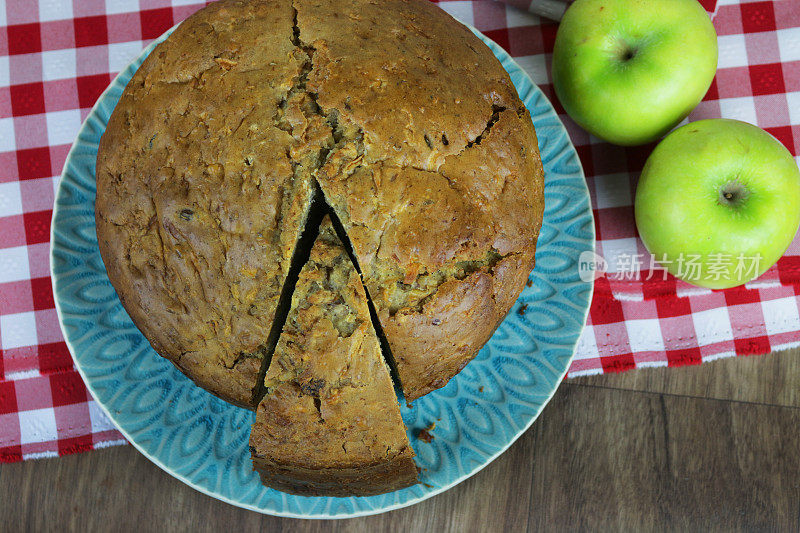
(329, 422)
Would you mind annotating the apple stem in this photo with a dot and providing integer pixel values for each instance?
(733, 193)
(624, 50)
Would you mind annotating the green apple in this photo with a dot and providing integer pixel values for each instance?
(721, 194)
(628, 71)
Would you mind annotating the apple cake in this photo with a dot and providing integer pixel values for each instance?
(251, 117)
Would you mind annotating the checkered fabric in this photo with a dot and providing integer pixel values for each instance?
(57, 56)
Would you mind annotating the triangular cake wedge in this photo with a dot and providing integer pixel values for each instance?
(329, 422)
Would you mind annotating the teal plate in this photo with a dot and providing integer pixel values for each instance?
(203, 441)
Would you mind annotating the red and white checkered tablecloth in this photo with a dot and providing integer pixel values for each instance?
(57, 56)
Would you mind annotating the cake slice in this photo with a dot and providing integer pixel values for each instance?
(329, 422)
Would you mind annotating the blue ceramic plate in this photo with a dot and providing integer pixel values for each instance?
(203, 441)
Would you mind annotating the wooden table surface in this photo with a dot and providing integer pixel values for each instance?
(713, 447)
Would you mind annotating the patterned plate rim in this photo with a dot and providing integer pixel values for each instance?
(504, 58)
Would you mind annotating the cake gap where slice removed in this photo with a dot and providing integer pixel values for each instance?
(373, 314)
(329, 422)
(306, 238)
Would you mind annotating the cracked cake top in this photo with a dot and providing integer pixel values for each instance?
(405, 120)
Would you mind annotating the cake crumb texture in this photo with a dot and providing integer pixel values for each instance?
(329, 423)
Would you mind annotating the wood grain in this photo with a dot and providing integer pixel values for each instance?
(600, 457)
(645, 461)
(772, 379)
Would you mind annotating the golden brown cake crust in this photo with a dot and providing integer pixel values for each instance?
(368, 480)
(329, 423)
(198, 204)
(435, 174)
(406, 120)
